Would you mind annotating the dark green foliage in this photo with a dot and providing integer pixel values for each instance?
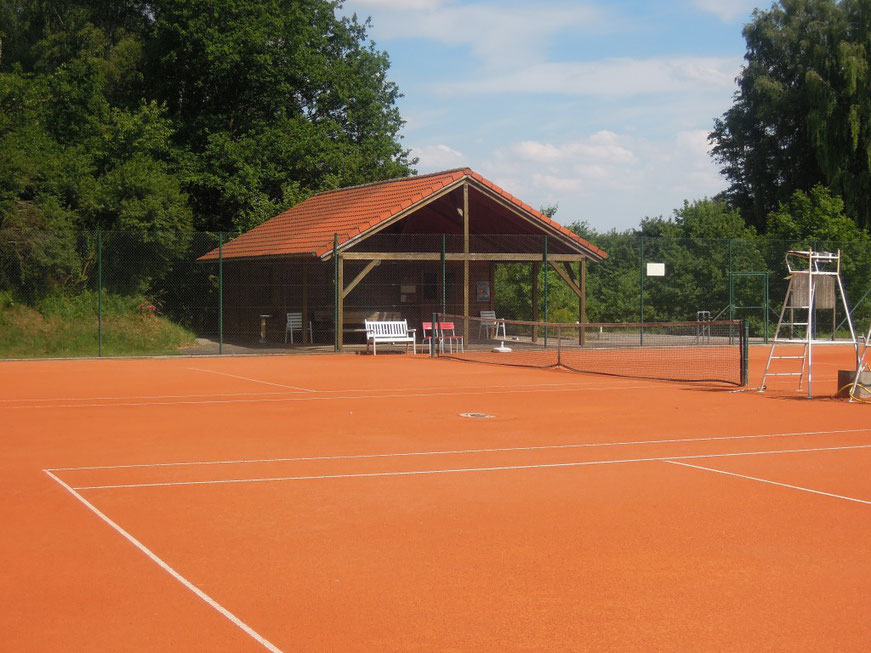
(158, 117)
(802, 114)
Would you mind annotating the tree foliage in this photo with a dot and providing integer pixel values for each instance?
(168, 116)
(802, 112)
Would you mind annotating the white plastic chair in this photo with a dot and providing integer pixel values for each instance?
(491, 324)
(294, 323)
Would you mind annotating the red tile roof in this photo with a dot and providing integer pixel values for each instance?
(308, 227)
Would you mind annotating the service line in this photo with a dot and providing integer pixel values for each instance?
(461, 470)
(451, 452)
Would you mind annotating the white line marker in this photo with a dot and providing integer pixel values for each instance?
(445, 452)
(172, 572)
(464, 469)
(246, 378)
(765, 480)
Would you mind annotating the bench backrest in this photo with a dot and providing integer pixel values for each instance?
(393, 328)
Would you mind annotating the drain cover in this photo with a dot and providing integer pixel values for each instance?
(476, 415)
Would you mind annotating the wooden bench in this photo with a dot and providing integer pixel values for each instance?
(394, 332)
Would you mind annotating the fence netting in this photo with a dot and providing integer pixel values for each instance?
(126, 293)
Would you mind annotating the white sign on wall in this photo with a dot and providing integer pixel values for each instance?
(656, 269)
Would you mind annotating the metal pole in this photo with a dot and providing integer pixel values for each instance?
(221, 292)
(545, 290)
(444, 277)
(731, 285)
(99, 292)
(336, 291)
(641, 312)
(745, 354)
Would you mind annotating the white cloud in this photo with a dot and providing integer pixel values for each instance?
(607, 174)
(501, 35)
(438, 157)
(608, 77)
(602, 146)
(727, 11)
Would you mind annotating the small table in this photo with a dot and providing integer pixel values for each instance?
(263, 319)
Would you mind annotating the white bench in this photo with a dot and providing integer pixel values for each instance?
(392, 332)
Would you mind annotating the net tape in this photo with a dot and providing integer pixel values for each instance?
(706, 351)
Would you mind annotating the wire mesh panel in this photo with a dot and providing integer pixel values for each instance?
(709, 351)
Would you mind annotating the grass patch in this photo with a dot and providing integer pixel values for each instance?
(67, 326)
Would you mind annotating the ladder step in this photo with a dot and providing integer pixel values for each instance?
(783, 374)
(782, 358)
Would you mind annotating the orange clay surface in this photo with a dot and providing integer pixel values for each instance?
(341, 503)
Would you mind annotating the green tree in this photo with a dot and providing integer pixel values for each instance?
(802, 112)
(272, 101)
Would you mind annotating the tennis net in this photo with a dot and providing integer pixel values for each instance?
(707, 351)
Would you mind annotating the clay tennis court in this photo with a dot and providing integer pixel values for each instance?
(339, 503)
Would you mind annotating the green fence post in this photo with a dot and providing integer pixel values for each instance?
(731, 286)
(545, 290)
(745, 353)
(336, 325)
(641, 308)
(99, 293)
(641, 271)
(444, 276)
(221, 292)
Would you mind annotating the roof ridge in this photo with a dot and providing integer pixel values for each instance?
(464, 169)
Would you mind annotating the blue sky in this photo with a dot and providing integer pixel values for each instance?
(600, 107)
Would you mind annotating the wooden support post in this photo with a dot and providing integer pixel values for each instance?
(466, 279)
(536, 270)
(340, 304)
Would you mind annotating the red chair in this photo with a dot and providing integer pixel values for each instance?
(447, 333)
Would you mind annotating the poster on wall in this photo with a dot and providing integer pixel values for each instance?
(483, 291)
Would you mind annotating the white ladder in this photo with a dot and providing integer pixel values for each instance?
(801, 297)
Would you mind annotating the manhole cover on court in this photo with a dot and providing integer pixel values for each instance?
(476, 415)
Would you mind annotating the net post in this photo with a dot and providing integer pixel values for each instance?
(221, 292)
(436, 319)
(99, 292)
(559, 340)
(745, 352)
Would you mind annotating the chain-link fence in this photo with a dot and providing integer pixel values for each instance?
(116, 293)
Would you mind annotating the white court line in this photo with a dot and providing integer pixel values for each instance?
(444, 452)
(465, 469)
(765, 480)
(246, 378)
(172, 572)
(398, 395)
(267, 394)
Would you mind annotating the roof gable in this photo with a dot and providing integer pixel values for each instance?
(351, 213)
